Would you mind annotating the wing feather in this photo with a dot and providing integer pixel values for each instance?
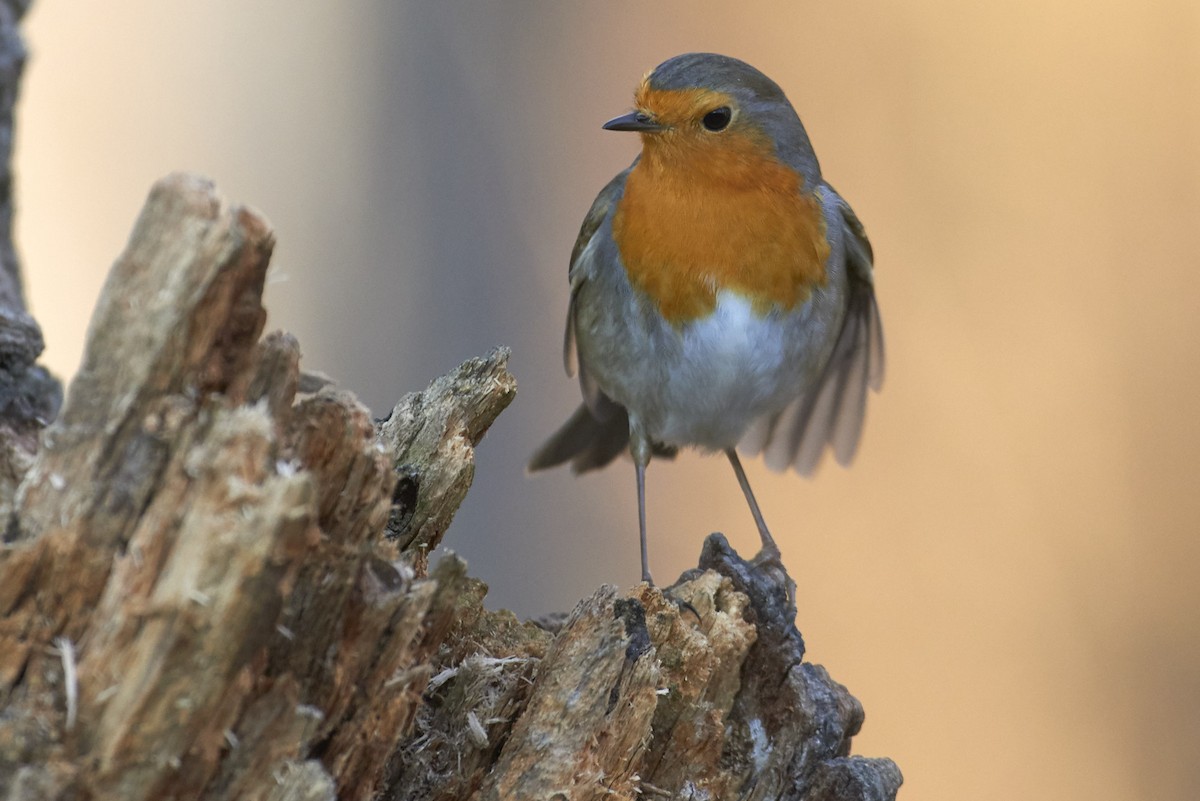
(580, 268)
(598, 431)
(832, 414)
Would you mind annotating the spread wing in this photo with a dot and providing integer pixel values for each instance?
(832, 413)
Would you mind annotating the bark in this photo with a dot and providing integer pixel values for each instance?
(29, 395)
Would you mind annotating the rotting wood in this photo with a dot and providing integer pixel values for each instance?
(215, 585)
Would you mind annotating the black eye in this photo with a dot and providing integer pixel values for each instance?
(717, 119)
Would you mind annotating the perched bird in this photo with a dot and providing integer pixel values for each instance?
(721, 292)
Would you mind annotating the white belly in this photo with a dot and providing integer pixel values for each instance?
(731, 368)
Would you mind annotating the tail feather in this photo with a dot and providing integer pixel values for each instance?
(584, 441)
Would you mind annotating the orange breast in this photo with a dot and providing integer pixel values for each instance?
(698, 217)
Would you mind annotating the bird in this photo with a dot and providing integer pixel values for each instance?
(721, 291)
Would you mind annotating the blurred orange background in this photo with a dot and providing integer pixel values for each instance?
(1007, 578)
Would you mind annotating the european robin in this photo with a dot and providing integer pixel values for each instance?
(721, 291)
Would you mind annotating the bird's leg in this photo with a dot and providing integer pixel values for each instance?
(639, 447)
(641, 492)
(768, 542)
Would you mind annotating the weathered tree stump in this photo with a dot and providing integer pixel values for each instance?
(214, 585)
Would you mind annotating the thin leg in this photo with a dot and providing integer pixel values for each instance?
(641, 493)
(768, 542)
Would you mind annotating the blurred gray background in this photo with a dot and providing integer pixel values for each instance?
(1007, 576)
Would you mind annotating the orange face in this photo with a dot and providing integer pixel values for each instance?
(706, 211)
